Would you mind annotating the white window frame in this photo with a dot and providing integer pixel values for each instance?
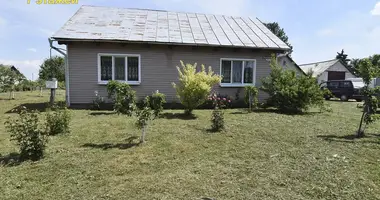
(113, 55)
(242, 84)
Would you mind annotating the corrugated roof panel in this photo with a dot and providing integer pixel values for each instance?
(269, 33)
(207, 30)
(162, 27)
(247, 30)
(239, 32)
(174, 30)
(318, 67)
(234, 39)
(259, 33)
(219, 33)
(184, 25)
(150, 33)
(142, 25)
(138, 28)
(199, 37)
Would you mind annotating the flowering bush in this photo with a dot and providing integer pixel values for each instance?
(123, 97)
(219, 101)
(98, 102)
(217, 118)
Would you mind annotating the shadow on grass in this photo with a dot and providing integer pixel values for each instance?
(352, 138)
(11, 160)
(41, 107)
(130, 142)
(182, 116)
(102, 113)
(272, 110)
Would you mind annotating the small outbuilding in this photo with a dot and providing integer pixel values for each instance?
(328, 70)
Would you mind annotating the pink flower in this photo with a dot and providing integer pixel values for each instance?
(218, 98)
(229, 101)
(224, 99)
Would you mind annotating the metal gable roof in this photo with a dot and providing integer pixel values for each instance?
(154, 26)
(318, 67)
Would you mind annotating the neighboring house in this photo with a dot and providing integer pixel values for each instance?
(328, 70)
(143, 47)
(13, 68)
(287, 62)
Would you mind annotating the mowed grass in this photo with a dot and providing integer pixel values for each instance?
(261, 155)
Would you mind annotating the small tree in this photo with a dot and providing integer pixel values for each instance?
(28, 134)
(250, 97)
(194, 87)
(368, 71)
(144, 115)
(8, 79)
(217, 119)
(156, 102)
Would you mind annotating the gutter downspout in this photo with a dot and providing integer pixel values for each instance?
(66, 69)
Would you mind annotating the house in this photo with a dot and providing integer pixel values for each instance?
(13, 68)
(143, 47)
(328, 70)
(288, 63)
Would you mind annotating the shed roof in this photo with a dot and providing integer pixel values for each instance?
(318, 67)
(93, 23)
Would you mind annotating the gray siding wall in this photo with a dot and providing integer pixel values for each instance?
(158, 67)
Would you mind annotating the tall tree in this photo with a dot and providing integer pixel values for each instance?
(53, 68)
(343, 57)
(354, 65)
(280, 33)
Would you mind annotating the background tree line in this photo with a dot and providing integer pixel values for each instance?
(12, 80)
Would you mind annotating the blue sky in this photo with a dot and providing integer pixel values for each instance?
(316, 29)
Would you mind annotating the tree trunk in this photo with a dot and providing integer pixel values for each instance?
(40, 91)
(360, 132)
(142, 139)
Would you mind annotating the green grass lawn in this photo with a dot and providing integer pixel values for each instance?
(261, 155)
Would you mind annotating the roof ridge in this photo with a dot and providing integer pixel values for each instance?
(319, 62)
(149, 9)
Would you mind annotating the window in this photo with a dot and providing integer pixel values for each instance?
(237, 72)
(120, 67)
(333, 84)
(345, 84)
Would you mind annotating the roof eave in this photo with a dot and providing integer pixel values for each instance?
(63, 40)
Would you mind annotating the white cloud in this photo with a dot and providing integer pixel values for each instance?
(376, 9)
(326, 32)
(28, 67)
(32, 50)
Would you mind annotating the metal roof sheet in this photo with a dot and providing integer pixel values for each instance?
(318, 67)
(154, 26)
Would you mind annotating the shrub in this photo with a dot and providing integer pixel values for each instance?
(58, 121)
(123, 96)
(250, 97)
(290, 93)
(156, 102)
(144, 115)
(27, 133)
(217, 119)
(193, 86)
(98, 103)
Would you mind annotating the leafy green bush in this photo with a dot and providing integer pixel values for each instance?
(250, 97)
(291, 93)
(58, 121)
(156, 102)
(194, 87)
(28, 134)
(123, 96)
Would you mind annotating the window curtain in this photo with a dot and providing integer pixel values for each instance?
(120, 68)
(226, 71)
(237, 71)
(133, 68)
(248, 71)
(106, 68)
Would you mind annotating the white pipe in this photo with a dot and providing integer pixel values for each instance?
(66, 69)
